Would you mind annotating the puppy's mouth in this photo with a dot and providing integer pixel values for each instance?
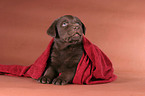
(75, 38)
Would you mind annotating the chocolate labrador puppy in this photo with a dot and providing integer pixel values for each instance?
(66, 51)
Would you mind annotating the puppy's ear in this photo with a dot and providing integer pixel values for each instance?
(52, 30)
(84, 28)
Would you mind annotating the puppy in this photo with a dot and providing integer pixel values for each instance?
(66, 51)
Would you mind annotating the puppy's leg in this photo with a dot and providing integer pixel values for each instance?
(48, 76)
(64, 78)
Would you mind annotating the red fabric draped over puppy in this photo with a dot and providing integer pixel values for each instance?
(94, 66)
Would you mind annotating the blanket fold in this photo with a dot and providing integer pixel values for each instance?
(93, 68)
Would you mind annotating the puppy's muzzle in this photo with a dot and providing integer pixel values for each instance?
(74, 35)
(74, 38)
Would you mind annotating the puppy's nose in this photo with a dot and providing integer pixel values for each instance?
(76, 27)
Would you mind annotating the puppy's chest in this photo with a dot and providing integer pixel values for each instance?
(64, 55)
(66, 58)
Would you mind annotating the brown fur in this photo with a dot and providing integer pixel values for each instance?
(66, 51)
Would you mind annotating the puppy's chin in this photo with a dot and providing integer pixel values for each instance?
(73, 39)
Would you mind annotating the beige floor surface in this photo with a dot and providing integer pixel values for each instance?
(127, 84)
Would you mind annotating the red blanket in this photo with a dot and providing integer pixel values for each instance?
(94, 66)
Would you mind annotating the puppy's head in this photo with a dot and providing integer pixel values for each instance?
(68, 29)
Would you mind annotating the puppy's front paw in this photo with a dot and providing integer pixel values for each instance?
(59, 81)
(44, 80)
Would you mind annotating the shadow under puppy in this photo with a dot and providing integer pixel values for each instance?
(66, 51)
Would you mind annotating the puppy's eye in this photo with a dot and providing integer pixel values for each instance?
(64, 24)
(77, 23)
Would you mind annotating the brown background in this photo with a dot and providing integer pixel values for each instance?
(116, 26)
